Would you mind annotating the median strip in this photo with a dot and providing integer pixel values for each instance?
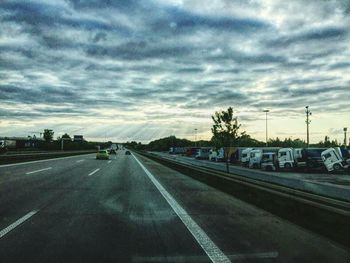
(41, 170)
(17, 223)
(94, 171)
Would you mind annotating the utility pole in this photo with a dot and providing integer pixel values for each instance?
(345, 130)
(266, 111)
(308, 114)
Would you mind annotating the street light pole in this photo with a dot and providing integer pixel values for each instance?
(345, 130)
(64, 139)
(308, 113)
(266, 111)
(195, 137)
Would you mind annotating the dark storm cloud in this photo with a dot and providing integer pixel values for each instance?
(249, 58)
(42, 94)
(183, 21)
(136, 51)
(93, 4)
(40, 15)
(99, 36)
(308, 92)
(315, 34)
(340, 65)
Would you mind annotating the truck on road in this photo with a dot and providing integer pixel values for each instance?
(335, 160)
(300, 158)
(257, 154)
(203, 153)
(269, 161)
(246, 156)
(216, 155)
(177, 150)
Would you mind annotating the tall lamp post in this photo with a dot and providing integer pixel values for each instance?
(308, 114)
(62, 140)
(195, 137)
(345, 130)
(266, 111)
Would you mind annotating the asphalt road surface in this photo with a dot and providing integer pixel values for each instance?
(131, 209)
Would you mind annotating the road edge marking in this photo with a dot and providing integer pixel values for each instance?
(209, 247)
(17, 223)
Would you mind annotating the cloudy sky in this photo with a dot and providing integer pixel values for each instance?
(140, 70)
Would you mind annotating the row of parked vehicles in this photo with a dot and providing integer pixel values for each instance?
(275, 158)
(332, 159)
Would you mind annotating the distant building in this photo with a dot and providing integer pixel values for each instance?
(78, 138)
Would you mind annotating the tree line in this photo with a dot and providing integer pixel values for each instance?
(226, 133)
(51, 144)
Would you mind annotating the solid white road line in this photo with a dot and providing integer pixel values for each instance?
(196, 258)
(94, 171)
(37, 171)
(46, 160)
(17, 223)
(212, 250)
(79, 161)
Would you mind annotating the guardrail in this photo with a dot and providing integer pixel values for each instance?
(323, 215)
(14, 158)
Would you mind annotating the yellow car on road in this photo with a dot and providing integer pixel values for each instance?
(102, 154)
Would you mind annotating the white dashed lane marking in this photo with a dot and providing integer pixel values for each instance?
(41, 170)
(94, 171)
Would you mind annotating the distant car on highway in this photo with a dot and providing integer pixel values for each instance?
(102, 154)
(127, 153)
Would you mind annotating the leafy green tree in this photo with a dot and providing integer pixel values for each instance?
(225, 132)
(48, 135)
(66, 136)
(327, 143)
(164, 144)
(246, 141)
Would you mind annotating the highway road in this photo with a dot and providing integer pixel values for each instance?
(132, 209)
